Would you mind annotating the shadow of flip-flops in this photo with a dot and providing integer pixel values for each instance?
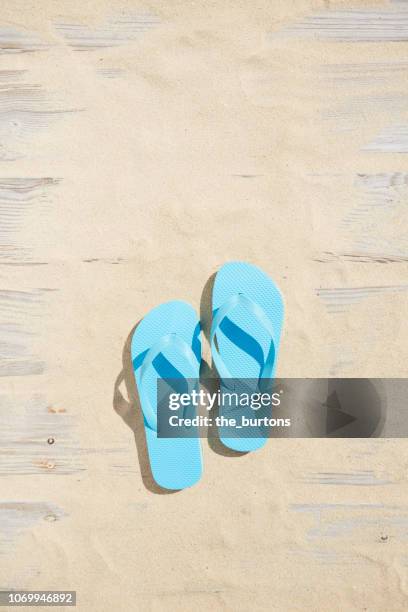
(130, 411)
(208, 375)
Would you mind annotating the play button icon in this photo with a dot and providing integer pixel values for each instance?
(336, 417)
(333, 408)
(353, 409)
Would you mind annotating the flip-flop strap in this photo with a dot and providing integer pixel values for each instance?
(222, 312)
(165, 342)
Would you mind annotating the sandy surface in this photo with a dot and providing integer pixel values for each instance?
(179, 136)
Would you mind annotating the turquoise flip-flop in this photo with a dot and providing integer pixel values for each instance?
(166, 344)
(245, 336)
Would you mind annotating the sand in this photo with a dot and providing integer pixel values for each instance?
(149, 143)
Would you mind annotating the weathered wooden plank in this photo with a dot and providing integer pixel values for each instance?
(20, 200)
(394, 139)
(25, 109)
(358, 478)
(110, 73)
(368, 232)
(116, 31)
(19, 315)
(338, 299)
(358, 520)
(37, 438)
(17, 517)
(13, 40)
(362, 74)
(376, 24)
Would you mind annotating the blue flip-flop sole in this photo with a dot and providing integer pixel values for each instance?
(176, 463)
(243, 278)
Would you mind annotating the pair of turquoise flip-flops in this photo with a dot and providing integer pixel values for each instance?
(247, 317)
